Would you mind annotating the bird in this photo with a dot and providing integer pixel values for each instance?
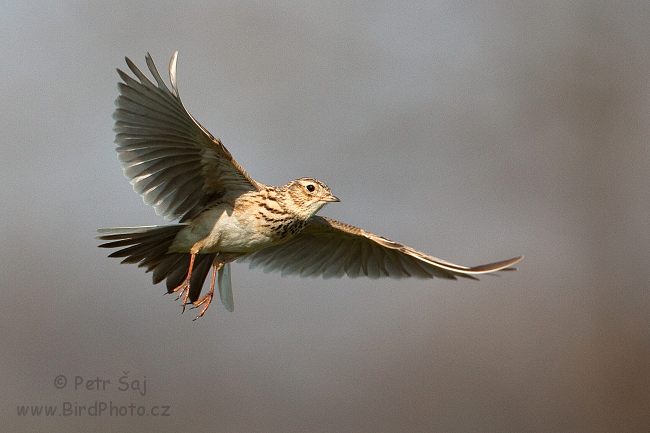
(224, 215)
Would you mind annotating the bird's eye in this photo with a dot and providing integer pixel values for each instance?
(310, 187)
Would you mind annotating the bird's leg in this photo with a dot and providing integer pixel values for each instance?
(207, 299)
(184, 287)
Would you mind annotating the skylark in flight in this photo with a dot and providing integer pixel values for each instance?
(224, 214)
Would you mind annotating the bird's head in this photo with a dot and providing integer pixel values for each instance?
(306, 196)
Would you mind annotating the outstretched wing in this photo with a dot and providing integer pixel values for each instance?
(332, 249)
(177, 166)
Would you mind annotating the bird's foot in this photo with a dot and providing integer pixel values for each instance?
(184, 287)
(183, 291)
(207, 299)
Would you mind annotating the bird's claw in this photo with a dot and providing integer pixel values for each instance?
(207, 299)
(183, 291)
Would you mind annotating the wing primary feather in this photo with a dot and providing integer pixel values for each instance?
(133, 92)
(172, 72)
(148, 168)
(156, 75)
(138, 73)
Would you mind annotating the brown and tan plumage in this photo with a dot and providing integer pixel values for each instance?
(225, 215)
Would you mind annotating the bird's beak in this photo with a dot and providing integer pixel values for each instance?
(331, 198)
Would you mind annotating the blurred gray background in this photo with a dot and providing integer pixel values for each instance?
(473, 131)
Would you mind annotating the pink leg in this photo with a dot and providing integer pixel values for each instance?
(184, 287)
(207, 299)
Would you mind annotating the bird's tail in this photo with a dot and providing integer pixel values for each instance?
(148, 246)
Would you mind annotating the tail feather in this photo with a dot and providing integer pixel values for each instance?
(144, 245)
(148, 246)
(225, 288)
(165, 266)
(177, 274)
(154, 256)
(202, 265)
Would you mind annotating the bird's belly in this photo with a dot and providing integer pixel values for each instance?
(220, 230)
(236, 235)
